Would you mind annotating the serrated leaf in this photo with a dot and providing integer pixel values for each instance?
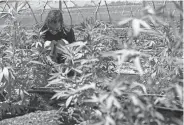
(116, 103)
(78, 44)
(109, 102)
(68, 101)
(6, 73)
(136, 101)
(9, 52)
(153, 75)
(78, 55)
(159, 116)
(141, 85)
(65, 41)
(78, 49)
(21, 6)
(77, 70)
(55, 82)
(37, 62)
(43, 32)
(55, 75)
(137, 92)
(93, 99)
(50, 60)
(98, 113)
(63, 49)
(136, 27)
(159, 100)
(2, 84)
(85, 87)
(84, 61)
(60, 94)
(110, 121)
(103, 97)
(122, 22)
(38, 44)
(117, 91)
(151, 44)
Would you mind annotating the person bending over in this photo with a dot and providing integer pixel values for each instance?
(54, 30)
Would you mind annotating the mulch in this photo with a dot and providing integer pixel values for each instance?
(34, 118)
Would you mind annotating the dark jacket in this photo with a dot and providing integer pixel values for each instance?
(65, 33)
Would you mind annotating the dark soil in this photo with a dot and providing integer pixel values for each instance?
(34, 118)
(43, 111)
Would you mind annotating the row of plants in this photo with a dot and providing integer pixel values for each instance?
(104, 95)
(125, 77)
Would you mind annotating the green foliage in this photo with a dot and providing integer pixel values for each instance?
(22, 64)
(118, 100)
(102, 91)
(13, 109)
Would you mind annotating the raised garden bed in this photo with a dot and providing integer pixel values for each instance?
(36, 116)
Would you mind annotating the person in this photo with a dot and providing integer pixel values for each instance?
(54, 30)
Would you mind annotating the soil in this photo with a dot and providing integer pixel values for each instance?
(34, 118)
(43, 111)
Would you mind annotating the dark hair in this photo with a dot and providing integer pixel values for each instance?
(53, 15)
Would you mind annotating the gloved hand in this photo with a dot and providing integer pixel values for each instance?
(50, 45)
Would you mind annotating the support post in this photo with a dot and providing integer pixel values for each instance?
(60, 5)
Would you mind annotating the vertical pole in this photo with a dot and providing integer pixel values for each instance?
(144, 3)
(60, 5)
(153, 4)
